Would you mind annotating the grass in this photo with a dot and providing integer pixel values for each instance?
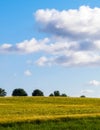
(47, 113)
(69, 124)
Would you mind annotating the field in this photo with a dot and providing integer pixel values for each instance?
(47, 113)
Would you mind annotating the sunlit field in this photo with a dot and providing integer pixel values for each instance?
(36, 111)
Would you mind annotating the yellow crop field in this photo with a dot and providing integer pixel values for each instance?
(22, 109)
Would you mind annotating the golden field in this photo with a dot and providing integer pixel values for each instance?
(27, 109)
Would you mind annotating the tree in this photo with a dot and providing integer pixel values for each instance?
(82, 96)
(19, 92)
(51, 94)
(63, 95)
(37, 92)
(56, 93)
(2, 92)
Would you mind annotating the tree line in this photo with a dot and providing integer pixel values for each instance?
(36, 92)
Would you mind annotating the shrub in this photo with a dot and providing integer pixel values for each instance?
(82, 96)
(19, 92)
(2, 92)
(51, 94)
(63, 95)
(56, 93)
(37, 92)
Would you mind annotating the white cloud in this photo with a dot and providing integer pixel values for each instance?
(72, 59)
(5, 47)
(74, 23)
(31, 46)
(25, 47)
(87, 91)
(27, 73)
(79, 29)
(42, 61)
(74, 40)
(94, 83)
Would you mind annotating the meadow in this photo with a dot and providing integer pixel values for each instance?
(47, 113)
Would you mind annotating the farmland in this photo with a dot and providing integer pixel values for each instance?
(39, 111)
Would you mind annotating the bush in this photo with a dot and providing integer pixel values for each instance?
(63, 95)
(56, 93)
(19, 92)
(51, 94)
(83, 96)
(37, 92)
(2, 92)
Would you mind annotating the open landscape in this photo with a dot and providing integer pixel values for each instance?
(49, 65)
(47, 113)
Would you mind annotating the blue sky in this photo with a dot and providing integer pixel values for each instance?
(50, 45)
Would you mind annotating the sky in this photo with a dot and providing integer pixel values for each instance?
(50, 45)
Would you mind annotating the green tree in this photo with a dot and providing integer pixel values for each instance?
(37, 92)
(56, 93)
(51, 94)
(63, 95)
(19, 92)
(2, 92)
(82, 96)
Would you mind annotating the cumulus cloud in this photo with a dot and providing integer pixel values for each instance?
(6, 48)
(71, 59)
(27, 73)
(94, 83)
(74, 39)
(27, 46)
(73, 23)
(79, 30)
(31, 46)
